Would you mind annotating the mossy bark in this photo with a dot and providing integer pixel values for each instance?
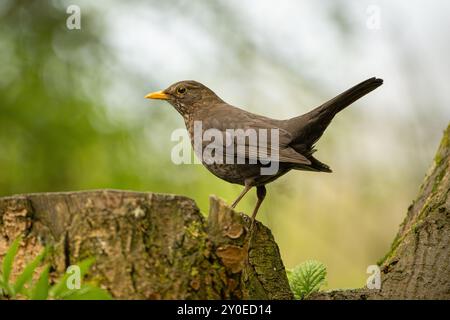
(147, 246)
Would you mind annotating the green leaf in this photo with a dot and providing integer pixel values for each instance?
(27, 273)
(8, 261)
(88, 292)
(60, 289)
(85, 265)
(40, 290)
(307, 278)
(2, 288)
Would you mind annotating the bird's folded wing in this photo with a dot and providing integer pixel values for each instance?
(247, 150)
(251, 151)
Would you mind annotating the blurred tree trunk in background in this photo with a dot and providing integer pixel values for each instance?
(154, 246)
(418, 263)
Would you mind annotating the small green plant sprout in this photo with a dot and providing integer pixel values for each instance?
(68, 287)
(306, 278)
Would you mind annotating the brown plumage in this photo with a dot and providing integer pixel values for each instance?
(297, 136)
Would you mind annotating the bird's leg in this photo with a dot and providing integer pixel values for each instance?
(261, 194)
(246, 189)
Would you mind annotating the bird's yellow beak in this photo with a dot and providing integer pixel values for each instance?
(157, 95)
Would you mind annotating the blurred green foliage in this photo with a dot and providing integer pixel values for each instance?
(51, 128)
(72, 113)
(56, 133)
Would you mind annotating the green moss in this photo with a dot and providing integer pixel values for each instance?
(445, 144)
(194, 272)
(438, 179)
(437, 159)
(194, 228)
(216, 265)
(392, 251)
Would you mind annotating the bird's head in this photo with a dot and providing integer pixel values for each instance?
(187, 95)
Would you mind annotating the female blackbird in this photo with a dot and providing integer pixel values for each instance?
(293, 145)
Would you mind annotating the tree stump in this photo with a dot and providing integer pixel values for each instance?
(146, 245)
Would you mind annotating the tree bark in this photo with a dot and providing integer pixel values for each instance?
(157, 246)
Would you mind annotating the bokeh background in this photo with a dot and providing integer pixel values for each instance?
(73, 116)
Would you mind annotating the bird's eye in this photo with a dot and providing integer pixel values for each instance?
(181, 90)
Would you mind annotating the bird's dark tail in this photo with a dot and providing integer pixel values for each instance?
(308, 128)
